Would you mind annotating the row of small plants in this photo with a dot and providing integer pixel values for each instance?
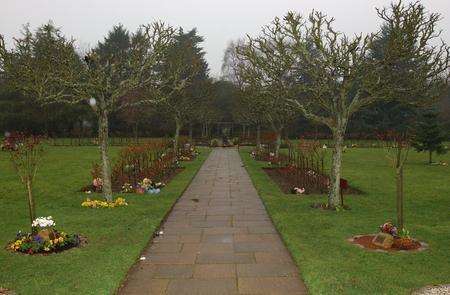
(302, 167)
(140, 169)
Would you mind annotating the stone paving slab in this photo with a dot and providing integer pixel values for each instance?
(218, 239)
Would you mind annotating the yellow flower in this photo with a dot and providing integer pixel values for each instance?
(104, 204)
(61, 239)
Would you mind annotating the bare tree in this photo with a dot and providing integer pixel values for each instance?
(342, 76)
(263, 69)
(246, 108)
(46, 66)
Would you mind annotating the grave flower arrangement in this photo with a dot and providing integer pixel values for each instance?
(184, 158)
(119, 202)
(97, 183)
(127, 188)
(43, 239)
(194, 152)
(400, 239)
(187, 152)
(146, 183)
(149, 187)
(298, 190)
(389, 228)
(155, 188)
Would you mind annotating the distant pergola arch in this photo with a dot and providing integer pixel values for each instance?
(231, 129)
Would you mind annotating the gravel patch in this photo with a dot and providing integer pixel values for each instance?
(434, 290)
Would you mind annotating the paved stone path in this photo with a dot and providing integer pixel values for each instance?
(217, 240)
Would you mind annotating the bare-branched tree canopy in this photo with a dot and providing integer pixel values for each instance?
(262, 72)
(327, 76)
(45, 65)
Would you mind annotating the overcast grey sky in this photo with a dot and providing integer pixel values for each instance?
(218, 21)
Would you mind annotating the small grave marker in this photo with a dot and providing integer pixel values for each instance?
(383, 240)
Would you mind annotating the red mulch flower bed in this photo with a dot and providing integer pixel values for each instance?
(283, 177)
(365, 241)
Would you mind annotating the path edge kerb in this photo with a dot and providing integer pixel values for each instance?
(163, 220)
(271, 219)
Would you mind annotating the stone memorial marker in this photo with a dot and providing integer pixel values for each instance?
(383, 240)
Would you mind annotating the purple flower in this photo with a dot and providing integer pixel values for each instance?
(38, 239)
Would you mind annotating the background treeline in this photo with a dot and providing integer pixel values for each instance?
(211, 100)
(199, 104)
(62, 120)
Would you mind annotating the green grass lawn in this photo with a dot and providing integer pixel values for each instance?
(115, 236)
(317, 239)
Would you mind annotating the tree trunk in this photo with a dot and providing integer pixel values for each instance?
(278, 143)
(190, 132)
(103, 127)
(135, 132)
(31, 206)
(178, 126)
(430, 157)
(399, 180)
(335, 175)
(258, 136)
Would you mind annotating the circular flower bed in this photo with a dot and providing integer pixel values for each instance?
(366, 242)
(44, 239)
(389, 239)
(119, 202)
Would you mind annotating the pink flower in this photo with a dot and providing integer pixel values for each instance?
(97, 182)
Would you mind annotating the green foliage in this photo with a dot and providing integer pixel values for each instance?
(185, 73)
(404, 233)
(411, 69)
(428, 135)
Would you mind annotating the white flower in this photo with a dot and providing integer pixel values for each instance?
(43, 222)
(324, 146)
(299, 190)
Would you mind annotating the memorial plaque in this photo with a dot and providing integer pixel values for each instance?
(383, 240)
